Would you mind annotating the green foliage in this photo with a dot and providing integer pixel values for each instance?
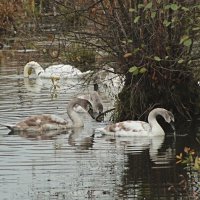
(137, 70)
(189, 158)
(136, 19)
(157, 58)
(164, 35)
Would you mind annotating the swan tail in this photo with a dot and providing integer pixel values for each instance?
(9, 126)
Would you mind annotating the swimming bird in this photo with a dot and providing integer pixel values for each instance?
(45, 122)
(140, 128)
(94, 98)
(111, 82)
(54, 71)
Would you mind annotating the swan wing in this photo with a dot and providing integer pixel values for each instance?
(62, 70)
(127, 128)
(42, 123)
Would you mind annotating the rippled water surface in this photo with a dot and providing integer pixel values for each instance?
(77, 164)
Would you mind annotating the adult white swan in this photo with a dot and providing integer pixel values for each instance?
(45, 122)
(140, 128)
(111, 82)
(54, 71)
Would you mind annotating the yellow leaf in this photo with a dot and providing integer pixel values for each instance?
(127, 55)
(178, 161)
(186, 149)
(179, 156)
(196, 163)
(29, 71)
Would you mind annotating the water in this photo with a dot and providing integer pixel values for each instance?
(77, 164)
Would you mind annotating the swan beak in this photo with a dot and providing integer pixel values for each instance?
(172, 125)
(93, 114)
(173, 128)
(99, 117)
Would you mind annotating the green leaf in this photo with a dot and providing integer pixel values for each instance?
(166, 23)
(184, 162)
(157, 58)
(148, 6)
(136, 19)
(140, 5)
(143, 70)
(167, 7)
(153, 14)
(131, 10)
(174, 6)
(136, 50)
(134, 70)
(196, 163)
(166, 57)
(196, 29)
(183, 38)
(184, 8)
(187, 43)
(180, 61)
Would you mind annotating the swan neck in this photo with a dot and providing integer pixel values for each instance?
(28, 69)
(74, 116)
(156, 129)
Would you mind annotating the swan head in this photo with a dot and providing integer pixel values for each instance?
(30, 66)
(91, 112)
(169, 118)
(87, 106)
(167, 115)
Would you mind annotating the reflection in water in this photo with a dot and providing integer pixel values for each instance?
(140, 144)
(54, 85)
(78, 140)
(48, 135)
(77, 164)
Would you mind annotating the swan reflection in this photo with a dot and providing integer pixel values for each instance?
(137, 145)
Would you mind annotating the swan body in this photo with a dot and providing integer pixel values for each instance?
(140, 128)
(111, 82)
(47, 122)
(54, 71)
(94, 98)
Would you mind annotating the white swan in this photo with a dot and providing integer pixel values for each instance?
(54, 71)
(140, 128)
(45, 122)
(94, 98)
(111, 82)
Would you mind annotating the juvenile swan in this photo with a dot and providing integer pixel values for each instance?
(94, 98)
(58, 71)
(140, 128)
(47, 122)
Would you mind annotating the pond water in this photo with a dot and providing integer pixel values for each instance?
(77, 164)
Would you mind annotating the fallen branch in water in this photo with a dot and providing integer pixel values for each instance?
(99, 117)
